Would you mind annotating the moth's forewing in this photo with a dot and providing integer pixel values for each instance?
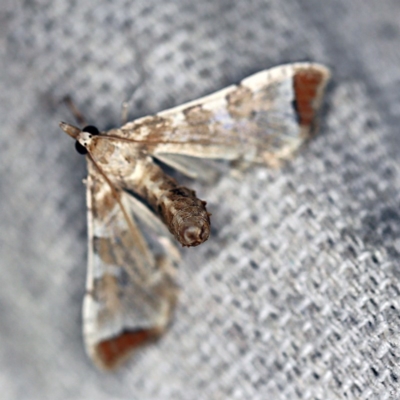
(264, 119)
(131, 291)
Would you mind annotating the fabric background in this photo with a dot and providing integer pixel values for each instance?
(296, 295)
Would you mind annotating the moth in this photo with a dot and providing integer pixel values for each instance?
(135, 209)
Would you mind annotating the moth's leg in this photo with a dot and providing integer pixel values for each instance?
(124, 112)
(80, 119)
(207, 171)
(126, 105)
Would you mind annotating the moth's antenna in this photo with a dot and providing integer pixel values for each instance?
(80, 119)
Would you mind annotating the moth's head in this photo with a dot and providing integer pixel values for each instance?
(83, 137)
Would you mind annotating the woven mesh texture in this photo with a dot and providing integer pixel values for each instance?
(296, 295)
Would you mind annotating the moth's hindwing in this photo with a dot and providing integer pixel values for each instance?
(131, 289)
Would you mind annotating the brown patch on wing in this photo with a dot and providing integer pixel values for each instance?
(196, 115)
(103, 206)
(107, 291)
(306, 85)
(150, 129)
(239, 102)
(153, 128)
(104, 200)
(154, 121)
(103, 248)
(113, 351)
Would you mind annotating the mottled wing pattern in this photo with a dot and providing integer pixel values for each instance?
(131, 292)
(264, 119)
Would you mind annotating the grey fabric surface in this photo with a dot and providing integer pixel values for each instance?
(296, 295)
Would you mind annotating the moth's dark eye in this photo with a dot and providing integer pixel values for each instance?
(80, 149)
(91, 129)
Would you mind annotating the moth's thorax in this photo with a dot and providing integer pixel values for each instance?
(115, 157)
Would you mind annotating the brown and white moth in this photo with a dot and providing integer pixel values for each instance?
(131, 289)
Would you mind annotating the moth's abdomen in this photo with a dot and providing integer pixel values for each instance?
(182, 212)
(185, 215)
